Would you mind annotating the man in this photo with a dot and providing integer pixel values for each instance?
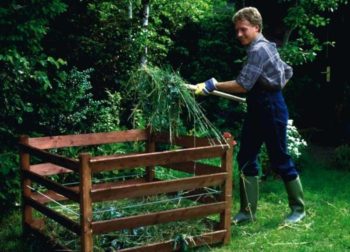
(262, 78)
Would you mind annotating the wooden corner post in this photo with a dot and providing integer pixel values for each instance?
(150, 147)
(226, 194)
(27, 211)
(85, 203)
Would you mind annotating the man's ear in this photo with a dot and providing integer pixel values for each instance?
(257, 27)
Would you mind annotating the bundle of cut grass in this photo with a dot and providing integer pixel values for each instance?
(167, 105)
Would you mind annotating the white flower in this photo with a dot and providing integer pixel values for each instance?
(295, 143)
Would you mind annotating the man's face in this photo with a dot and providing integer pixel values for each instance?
(246, 32)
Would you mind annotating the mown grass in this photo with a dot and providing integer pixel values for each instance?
(326, 227)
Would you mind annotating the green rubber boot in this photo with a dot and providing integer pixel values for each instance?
(249, 194)
(296, 201)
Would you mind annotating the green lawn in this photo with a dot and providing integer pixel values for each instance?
(326, 227)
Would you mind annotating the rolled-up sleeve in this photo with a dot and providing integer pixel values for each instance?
(288, 71)
(251, 71)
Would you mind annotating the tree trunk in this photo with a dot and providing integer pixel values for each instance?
(130, 9)
(145, 4)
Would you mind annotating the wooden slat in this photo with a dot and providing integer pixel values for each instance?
(64, 221)
(112, 157)
(51, 158)
(194, 168)
(65, 191)
(150, 148)
(85, 203)
(27, 211)
(48, 169)
(157, 158)
(186, 141)
(88, 139)
(226, 165)
(58, 197)
(50, 195)
(157, 187)
(196, 241)
(157, 218)
(38, 223)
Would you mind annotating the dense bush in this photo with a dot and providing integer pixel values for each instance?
(10, 180)
(341, 158)
(208, 48)
(69, 108)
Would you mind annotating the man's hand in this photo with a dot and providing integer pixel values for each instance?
(206, 87)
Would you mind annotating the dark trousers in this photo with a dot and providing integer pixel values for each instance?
(266, 122)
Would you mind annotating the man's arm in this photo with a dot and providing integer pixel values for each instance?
(230, 87)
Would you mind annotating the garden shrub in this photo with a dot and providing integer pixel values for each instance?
(10, 180)
(341, 158)
(69, 108)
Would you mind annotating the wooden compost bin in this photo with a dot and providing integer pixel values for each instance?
(86, 193)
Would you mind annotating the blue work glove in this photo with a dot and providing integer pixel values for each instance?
(206, 87)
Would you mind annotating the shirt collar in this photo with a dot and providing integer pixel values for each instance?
(256, 40)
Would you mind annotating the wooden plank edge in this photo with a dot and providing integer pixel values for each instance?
(52, 185)
(200, 240)
(157, 187)
(62, 141)
(157, 158)
(187, 141)
(194, 168)
(58, 197)
(172, 215)
(68, 163)
(59, 218)
(48, 169)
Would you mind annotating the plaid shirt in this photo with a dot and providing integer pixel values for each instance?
(264, 63)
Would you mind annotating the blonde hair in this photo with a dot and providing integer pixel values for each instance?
(251, 14)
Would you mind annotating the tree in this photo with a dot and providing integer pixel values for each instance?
(301, 43)
(25, 69)
(25, 72)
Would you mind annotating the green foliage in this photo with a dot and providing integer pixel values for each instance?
(31, 19)
(21, 57)
(341, 158)
(108, 118)
(303, 19)
(82, 113)
(37, 95)
(166, 19)
(103, 35)
(26, 72)
(69, 108)
(208, 48)
(107, 42)
(10, 177)
(166, 103)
